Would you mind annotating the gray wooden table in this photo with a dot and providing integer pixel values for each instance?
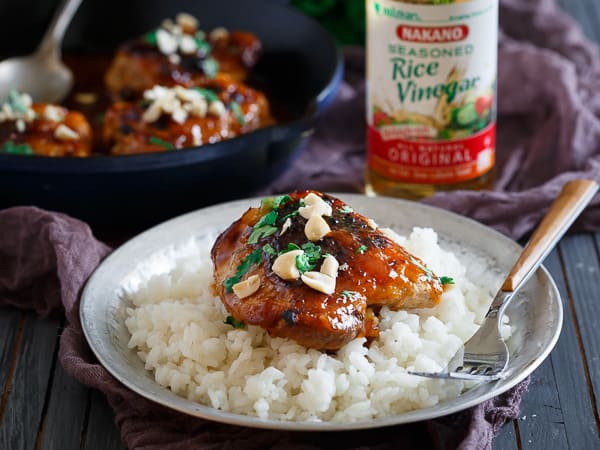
(41, 407)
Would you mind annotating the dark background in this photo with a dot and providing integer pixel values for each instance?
(101, 24)
(24, 22)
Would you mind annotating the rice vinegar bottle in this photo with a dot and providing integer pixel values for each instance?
(431, 96)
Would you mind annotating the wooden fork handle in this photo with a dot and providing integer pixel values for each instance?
(571, 201)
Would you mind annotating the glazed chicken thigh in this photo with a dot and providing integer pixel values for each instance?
(43, 129)
(305, 266)
(174, 118)
(178, 53)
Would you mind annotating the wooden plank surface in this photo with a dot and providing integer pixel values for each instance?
(10, 319)
(506, 439)
(567, 362)
(580, 261)
(25, 402)
(11, 324)
(66, 413)
(541, 423)
(101, 434)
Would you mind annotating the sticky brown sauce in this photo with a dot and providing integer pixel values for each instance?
(88, 94)
(91, 98)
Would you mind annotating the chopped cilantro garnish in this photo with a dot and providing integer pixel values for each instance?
(292, 214)
(150, 38)
(269, 250)
(210, 66)
(229, 282)
(237, 110)
(157, 141)
(207, 94)
(303, 263)
(261, 232)
(361, 249)
(274, 202)
(200, 35)
(291, 246)
(230, 320)
(267, 219)
(253, 258)
(204, 47)
(307, 260)
(301, 202)
(312, 251)
(144, 103)
(12, 149)
(346, 209)
(282, 199)
(447, 280)
(349, 293)
(264, 227)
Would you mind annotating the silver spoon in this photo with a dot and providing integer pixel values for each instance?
(42, 74)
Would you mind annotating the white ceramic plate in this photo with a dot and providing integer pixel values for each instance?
(536, 314)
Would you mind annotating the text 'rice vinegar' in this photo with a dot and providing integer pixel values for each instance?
(431, 96)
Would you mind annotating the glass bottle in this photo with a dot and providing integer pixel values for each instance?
(431, 96)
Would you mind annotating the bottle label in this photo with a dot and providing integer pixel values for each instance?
(431, 84)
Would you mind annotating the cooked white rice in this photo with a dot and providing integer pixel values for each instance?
(177, 328)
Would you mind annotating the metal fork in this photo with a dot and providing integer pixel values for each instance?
(485, 355)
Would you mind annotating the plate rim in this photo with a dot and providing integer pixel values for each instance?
(209, 413)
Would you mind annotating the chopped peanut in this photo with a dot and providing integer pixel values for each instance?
(247, 287)
(316, 228)
(315, 206)
(330, 266)
(284, 265)
(64, 133)
(319, 282)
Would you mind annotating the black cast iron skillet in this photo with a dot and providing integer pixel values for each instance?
(300, 66)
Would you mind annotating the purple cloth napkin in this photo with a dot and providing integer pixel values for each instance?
(549, 132)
